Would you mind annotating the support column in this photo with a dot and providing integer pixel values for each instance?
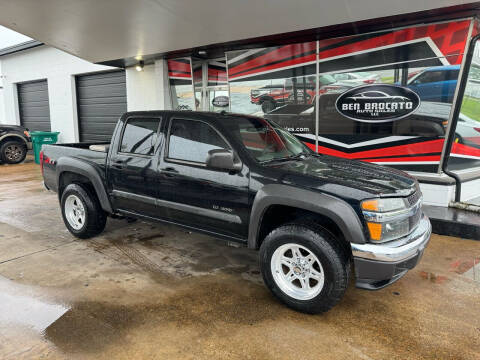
(162, 85)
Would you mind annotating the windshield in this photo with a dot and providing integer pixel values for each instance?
(267, 141)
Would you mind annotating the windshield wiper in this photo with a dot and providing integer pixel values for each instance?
(285, 158)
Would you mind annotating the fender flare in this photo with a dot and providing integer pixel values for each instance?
(3, 137)
(334, 208)
(83, 168)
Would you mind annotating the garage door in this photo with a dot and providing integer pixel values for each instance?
(33, 105)
(101, 100)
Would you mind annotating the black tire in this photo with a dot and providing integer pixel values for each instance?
(95, 217)
(13, 152)
(334, 258)
(268, 105)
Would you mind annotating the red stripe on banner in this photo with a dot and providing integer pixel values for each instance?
(461, 149)
(284, 52)
(407, 159)
(449, 37)
(217, 75)
(432, 146)
(296, 61)
(332, 152)
(182, 75)
(178, 66)
(442, 36)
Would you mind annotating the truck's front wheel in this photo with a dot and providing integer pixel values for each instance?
(82, 214)
(305, 267)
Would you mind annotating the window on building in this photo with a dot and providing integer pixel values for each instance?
(181, 86)
(465, 151)
(140, 136)
(191, 140)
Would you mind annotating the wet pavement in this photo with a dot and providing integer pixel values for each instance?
(152, 291)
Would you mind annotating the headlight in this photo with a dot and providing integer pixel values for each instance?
(387, 219)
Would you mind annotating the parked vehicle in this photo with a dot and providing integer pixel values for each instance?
(15, 141)
(245, 179)
(357, 78)
(436, 83)
(300, 90)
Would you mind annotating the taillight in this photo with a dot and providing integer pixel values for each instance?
(41, 162)
(369, 81)
(478, 129)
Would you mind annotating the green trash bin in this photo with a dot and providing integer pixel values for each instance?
(42, 137)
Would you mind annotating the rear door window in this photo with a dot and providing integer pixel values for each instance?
(432, 76)
(140, 136)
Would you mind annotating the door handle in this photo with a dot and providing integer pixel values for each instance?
(169, 172)
(118, 164)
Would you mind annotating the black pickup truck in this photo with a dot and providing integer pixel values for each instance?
(248, 180)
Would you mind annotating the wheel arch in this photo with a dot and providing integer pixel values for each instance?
(13, 137)
(337, 211)
(74, 167)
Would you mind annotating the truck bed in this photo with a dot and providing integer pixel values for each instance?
(53, 154)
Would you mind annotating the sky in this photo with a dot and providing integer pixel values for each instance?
(9, 37)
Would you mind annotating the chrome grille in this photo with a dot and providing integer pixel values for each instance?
(413, 199)
(416, 217)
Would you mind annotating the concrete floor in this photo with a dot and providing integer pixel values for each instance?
(157, 292)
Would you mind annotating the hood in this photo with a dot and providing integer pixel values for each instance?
(346, 178)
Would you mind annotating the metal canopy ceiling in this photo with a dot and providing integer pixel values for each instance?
(104, 30)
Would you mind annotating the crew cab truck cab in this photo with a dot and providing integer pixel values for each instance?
(245, 179)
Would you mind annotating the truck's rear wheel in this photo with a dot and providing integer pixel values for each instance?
(305, 267)
(82, 214)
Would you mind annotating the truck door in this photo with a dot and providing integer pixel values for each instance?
(195, 195)
(133, 165)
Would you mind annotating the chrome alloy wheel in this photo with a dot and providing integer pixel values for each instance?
(13, 153)
(75, 212)
(297, 271)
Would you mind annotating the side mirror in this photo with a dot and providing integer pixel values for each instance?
(221, 159)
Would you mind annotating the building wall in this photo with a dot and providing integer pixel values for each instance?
(148, 89)
(145, 89)
(2, 106)
(141, 88)
(59, 68)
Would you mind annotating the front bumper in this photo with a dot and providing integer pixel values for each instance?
(379, 265)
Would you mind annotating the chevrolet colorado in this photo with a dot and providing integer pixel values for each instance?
(246, 179)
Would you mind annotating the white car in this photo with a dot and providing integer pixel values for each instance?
(357, 78)
(376, 95)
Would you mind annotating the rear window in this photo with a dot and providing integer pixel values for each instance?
(140, 136)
